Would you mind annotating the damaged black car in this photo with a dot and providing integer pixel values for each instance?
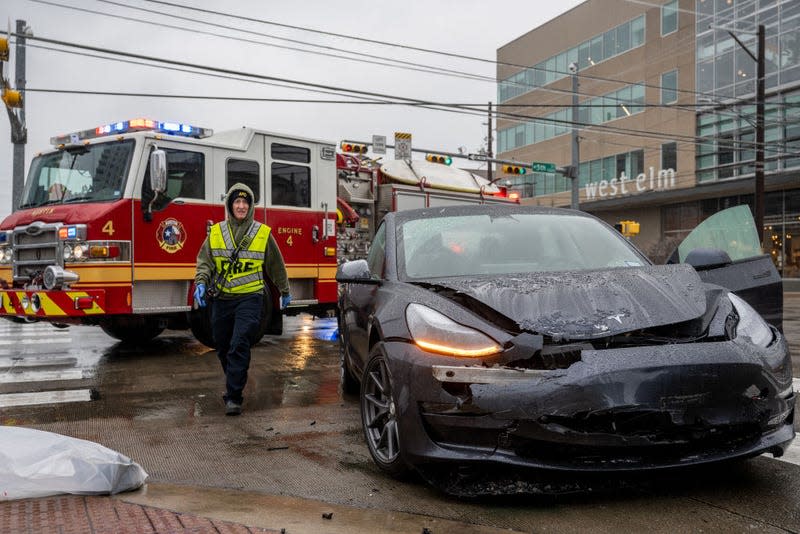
(526, 337)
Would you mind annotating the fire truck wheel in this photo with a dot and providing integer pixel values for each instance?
(133, 330)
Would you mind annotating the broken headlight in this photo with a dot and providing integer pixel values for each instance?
(750, 323)
(435, 332)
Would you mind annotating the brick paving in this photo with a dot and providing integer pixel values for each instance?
(77, 514)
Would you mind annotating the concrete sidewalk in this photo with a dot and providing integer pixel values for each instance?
(167, 508)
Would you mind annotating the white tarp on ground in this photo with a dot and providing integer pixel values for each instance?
(34, 463)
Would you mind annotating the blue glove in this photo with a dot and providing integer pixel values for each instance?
(285, 300)
(199, 293)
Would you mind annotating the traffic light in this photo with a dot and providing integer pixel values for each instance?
(514, 169)
(355, 148)
(439, 158)
(3, 48)
(12, 98)
(627, 228)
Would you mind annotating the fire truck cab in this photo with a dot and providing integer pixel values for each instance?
(99, 241)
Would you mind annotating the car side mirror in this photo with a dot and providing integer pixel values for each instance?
(158, 170)
(707, 258)
(355, 272)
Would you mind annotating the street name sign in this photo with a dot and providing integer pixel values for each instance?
(539, 166)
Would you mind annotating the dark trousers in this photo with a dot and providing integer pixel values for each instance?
(235, 326)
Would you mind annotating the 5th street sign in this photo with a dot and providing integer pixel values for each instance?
(539, 166)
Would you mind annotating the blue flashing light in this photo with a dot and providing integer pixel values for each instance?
(72, 232)
(169, 126)
(133, 125)
(3, 237)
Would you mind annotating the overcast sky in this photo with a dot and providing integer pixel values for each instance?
(467, 27)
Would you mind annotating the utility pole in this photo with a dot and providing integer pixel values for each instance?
(19, 133)
(14, 100)
(576, 149)
(759, 173)
(489, 146)
(759, 200)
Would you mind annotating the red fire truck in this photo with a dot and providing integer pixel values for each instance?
(112, 218)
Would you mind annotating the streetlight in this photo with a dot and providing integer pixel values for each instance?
(759, 174)
(576, 157)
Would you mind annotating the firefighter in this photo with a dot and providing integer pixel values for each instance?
(232, 265)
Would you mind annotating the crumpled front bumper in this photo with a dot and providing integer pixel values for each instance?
(616, 409)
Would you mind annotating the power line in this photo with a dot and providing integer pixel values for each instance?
(362, 94)
(417, 66)
(401, 64)
(424, 104)
(403, 46)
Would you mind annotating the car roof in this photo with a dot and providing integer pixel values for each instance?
(400, 217)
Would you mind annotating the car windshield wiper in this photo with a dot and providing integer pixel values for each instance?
(80, 197)
(45, 203)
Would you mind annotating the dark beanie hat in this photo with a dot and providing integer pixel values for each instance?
(239, 193)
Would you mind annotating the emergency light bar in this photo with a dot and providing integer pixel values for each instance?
(133, 125)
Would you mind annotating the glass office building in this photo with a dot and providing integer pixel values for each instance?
(666, 114)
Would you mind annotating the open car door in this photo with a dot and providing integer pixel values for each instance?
(725, 250)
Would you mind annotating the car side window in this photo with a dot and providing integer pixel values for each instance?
(185, 179)
(377, 253)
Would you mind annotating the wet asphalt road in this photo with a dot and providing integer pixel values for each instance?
(161, 405)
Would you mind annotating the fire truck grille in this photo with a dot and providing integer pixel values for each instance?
(35, 247)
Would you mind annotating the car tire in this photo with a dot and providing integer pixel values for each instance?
(379, 415)
(350, 385)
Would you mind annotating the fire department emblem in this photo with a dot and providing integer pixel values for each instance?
(170, 235)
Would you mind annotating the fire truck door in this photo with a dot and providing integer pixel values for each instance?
(170, 227)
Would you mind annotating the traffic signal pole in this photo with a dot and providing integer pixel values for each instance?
(15, 107)
(19, 133)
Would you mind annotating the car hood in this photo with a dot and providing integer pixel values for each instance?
(590, 304)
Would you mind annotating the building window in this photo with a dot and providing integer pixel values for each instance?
(669, 17)
(601, 47)
(669, 156)
(669, 87)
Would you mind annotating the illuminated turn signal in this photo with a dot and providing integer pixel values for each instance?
(102, 251)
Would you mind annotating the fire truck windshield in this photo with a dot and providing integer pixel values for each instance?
(85, 173)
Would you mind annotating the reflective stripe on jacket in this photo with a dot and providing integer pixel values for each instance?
(247, 275)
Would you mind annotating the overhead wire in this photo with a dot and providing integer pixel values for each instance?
(422, 68)
(187, 7)
(366, 94)
(407, 47)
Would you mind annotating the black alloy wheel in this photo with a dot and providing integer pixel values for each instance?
(379, 415)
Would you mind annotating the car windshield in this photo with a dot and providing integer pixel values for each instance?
(78, 174)
(483, 244)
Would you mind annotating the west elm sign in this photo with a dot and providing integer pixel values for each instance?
(663, 179)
